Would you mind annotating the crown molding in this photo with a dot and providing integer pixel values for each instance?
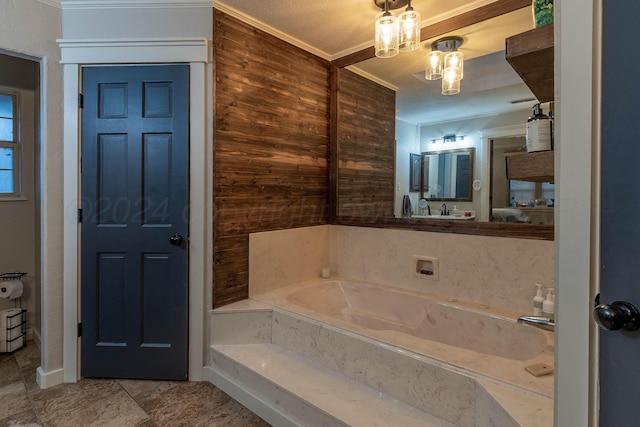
(270, 30)
(376, 79)
(126, 4)
(54, 3)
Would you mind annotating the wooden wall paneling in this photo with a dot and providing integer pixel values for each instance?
(271, 145)
(366, 147)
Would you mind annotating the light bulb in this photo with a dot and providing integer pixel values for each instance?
(409, 32)
(386, 44)
(450, 81)
(455, 60)
(433, 67)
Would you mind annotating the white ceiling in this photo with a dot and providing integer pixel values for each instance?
(332, 29)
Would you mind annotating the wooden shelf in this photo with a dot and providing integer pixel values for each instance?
(531, 56)
(532, 167)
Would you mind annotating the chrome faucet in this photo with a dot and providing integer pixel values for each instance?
(538, 322)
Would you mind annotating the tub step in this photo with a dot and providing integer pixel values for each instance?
(288, 389)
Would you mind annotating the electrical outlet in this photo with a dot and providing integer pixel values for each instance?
(397, 187)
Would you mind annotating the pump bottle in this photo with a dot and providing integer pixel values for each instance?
(548, 306)
(538, 300)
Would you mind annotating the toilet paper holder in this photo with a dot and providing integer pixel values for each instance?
(13, 325)
(13, 276)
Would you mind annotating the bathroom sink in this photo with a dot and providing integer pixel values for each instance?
(446, 217)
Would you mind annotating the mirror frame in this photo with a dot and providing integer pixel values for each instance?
(471, 151)
(525, 231)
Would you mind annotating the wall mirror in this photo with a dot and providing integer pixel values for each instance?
(447, 175)
(493, 101)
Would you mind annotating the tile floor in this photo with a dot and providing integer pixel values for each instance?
(104, 402)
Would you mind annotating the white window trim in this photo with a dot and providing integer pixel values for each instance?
(17, 194)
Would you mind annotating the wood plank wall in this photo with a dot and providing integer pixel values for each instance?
(271, 145)
(366, 147)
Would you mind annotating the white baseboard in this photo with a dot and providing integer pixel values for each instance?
(49, 379)
(36, 338)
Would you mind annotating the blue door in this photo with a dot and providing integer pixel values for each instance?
(620, 232)
(134, 225)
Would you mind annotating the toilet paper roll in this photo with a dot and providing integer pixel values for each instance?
(11, 289)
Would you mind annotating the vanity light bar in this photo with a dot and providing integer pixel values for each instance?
(449, 138)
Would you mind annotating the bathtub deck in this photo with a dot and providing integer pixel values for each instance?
(295, 371)
(340, 400)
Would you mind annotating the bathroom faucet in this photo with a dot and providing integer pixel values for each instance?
(444, 209)
(538, 322)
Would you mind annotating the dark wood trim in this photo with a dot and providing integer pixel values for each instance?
(492, 229)
(334, 116)
(475, 16)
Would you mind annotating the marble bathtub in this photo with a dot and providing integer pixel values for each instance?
(474, 339)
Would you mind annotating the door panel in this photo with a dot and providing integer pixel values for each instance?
(620, 230)
(134, 198)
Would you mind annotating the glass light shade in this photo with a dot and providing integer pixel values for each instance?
(433, 67)
(409, 32)
(386, 44)
(455, 60)
(450, 82)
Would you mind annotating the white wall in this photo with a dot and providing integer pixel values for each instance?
(30, 28)
(472, 129)
(407, 142)
(19, 250)
(104, 19)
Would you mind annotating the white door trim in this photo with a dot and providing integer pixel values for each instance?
(195, 52)
(576, 237)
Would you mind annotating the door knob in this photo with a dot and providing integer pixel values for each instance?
(176, 240)
(617, 315)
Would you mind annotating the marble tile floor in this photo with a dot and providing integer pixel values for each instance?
(105, 402)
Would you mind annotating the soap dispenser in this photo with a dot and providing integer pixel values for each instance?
(538, 300)
(548, 306)
(538, 136)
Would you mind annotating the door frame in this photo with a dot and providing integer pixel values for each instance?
(577, 240)
(196, 53)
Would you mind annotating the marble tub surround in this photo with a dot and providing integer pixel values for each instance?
(345, 371)
(243, 322)
(376, 312)
(284, 257)
(496, 271)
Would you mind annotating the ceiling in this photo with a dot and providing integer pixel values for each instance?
(335, 28)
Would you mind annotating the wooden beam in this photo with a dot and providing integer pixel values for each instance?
(454, 23)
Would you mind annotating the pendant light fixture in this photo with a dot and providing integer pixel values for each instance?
(396, 34)
(447, 66)
(387, 44)
(409, 29)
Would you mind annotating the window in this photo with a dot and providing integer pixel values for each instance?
(524, 194)
(9, 146)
